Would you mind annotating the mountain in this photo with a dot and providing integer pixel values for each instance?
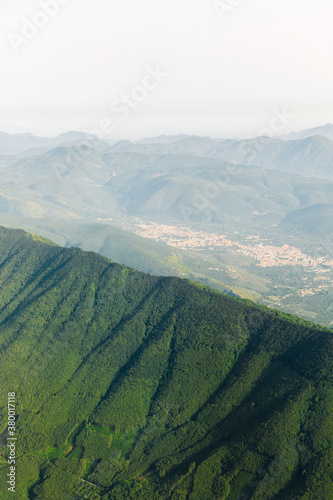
(82, 182)
(323, 130)
(308, 153)
(189, 145)
(308, 157)
(129, 386)
(14, 143)
(28, 144)
(315, 220)
(193, 179)
(162, 139)
(202, 190)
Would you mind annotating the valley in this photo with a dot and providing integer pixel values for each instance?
(258, 232)
(310, 276)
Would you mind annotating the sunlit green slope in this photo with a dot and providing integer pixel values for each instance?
(130, 386)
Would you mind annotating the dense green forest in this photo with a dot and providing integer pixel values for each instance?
(130, 386)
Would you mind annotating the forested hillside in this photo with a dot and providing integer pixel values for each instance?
(130, 386)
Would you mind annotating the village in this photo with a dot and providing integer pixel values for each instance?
(266, 255)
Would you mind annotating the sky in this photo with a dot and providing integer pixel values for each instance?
(133, 69)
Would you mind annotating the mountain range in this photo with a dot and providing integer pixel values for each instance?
(28, 144)
(227, 195)
(324, 130)
(67, 181)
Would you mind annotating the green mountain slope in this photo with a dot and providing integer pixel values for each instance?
(125, 247)
(130, 386)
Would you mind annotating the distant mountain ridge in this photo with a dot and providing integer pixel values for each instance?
(12, 144)
(310, 156)
(309, 153)
(323, 130)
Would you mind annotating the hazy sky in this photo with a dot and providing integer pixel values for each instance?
(135, 68)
